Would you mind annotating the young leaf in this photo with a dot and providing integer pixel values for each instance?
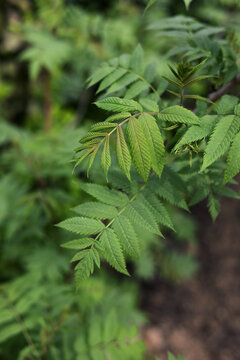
(196, 79)
(178, 114)
(117, 104)
(82, 225)
(106, 158)
(139, 148)
(123, 155)
(155, 142)
(220, 139)
(113, 251)
(233, 160)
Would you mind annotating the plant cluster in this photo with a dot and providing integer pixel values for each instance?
(162, 136)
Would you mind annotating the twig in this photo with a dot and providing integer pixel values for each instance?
(214, 96)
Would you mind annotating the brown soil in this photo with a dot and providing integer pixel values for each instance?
(201, 318)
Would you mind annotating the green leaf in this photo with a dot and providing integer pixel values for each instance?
(78, 244)
(124, 81)
(137, 60)
(163, 215)
(96, 210)
(92, 158)
(86, 265)
(220, 139)
(82, 225)
(149, 104)
(111, 78)
(135, 89)
(150, 3)
(199, 195)
(104, 194)
(127, 236)
(226, 104)
(155, 142)
(178, 114)
(123, 155)
(233, 160)
(138, 212)
(113, 251)
(167, 191)
(213, 206)
(237, 110)
(173, 82)
(196, 79)
(106, 158)
(100, 74)
(195, 133)
(83, 156)
(139, 147)
(117, 104)
(92, 135)
(102, 126)
(119, 116)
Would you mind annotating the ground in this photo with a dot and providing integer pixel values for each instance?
(200, 319)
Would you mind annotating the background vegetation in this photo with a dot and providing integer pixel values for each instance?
(48, 51)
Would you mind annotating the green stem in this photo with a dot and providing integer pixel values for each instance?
(181, 97)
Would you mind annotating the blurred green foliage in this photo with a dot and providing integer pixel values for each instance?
(48, 51)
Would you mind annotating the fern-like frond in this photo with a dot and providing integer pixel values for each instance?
(121, 72)
(114, 237)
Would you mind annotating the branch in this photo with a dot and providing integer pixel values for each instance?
(214, 96)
